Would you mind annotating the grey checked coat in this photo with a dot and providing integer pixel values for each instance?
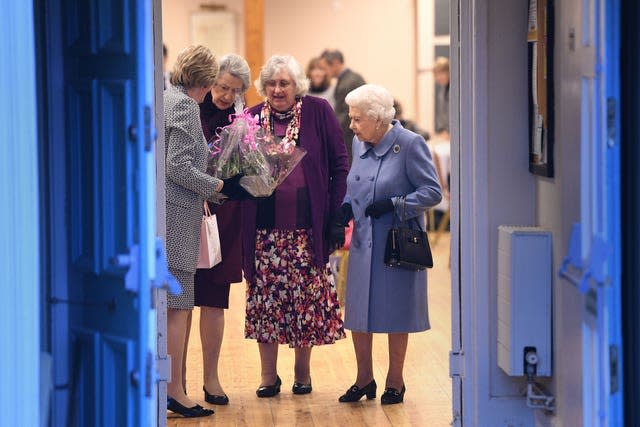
(186, 182)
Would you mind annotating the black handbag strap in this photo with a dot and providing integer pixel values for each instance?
(415, 219)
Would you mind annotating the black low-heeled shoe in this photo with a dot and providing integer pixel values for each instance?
(299, 388)
(355, 393)
(269, 390)
(392, 395)
(215, 399)
(193, 412)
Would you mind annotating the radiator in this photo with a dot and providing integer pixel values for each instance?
(524, 298)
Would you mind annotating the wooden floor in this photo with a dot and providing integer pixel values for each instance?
(427, 400)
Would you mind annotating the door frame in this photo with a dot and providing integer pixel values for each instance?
(630, 207)
(19, 221)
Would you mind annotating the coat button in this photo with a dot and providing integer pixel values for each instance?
(369, 244)
(370, 178)
(357, 177)
(357, 202)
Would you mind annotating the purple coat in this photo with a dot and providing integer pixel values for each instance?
(325, 167)
(228, 214)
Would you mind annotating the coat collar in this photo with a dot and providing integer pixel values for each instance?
(385, 144)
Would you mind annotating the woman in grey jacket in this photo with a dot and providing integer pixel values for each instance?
(187, 186)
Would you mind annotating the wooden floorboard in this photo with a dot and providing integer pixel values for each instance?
(427, 400)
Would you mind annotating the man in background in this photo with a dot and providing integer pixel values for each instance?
(347, 80)
(441, 76)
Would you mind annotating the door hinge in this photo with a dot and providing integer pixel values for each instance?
(149, 136)
(148, 380)
(614, 384)
(456, 364)
(611, 122)
(585, 273)
(130, 263)
(163, 365)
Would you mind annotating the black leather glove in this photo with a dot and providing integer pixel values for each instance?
(343, 215)
(379, 208)
(232, 188)
(336, 236)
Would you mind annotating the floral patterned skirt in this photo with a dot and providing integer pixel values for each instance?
(291, 300)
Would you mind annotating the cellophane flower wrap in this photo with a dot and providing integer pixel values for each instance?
(243, 147)
(282, 157)
(225, 158)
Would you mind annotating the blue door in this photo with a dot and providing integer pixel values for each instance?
(611, 207)
(110, 167)
(595, 248)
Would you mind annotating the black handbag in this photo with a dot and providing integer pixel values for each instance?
(408, 248)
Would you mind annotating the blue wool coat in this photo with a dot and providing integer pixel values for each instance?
(380, 298)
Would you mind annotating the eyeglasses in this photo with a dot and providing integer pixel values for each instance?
(226, 89)
(274, 83)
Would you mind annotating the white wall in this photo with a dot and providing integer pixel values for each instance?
(377, 37)
(176, 24)
(558, 208)
(496, 188)
(490, 142)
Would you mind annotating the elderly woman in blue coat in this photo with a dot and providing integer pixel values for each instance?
(392, 177)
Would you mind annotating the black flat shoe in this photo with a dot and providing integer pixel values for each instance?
(193, 412)
(299, 388)
(215, 399)
(269, 390)
(355, 393)
(391, 396)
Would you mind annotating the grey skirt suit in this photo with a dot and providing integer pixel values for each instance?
(380, 298)
(187, 185)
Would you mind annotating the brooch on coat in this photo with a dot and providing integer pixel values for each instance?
(396, 148)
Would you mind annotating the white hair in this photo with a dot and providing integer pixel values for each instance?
(375, 102)
(237, 66)
(283, 62)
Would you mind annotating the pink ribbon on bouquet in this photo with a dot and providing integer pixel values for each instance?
(249, 137)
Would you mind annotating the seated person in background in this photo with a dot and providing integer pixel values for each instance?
(320, 82)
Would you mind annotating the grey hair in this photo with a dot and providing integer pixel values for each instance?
(375, 102)
(238, 67)
(282, 62)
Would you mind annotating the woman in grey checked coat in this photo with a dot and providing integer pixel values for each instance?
(187, 186)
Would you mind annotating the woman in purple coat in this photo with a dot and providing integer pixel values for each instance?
(212, 285)
(288, 236)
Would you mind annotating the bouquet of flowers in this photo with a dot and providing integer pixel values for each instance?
(243, 147)
(278, 166)
(225, 158)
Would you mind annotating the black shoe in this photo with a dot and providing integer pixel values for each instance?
(355, 393)
(299, 388)
(391, 396)
(193, 412)
(269, 390)
(215, 399)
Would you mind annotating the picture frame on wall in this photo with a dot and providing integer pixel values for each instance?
(540, 79)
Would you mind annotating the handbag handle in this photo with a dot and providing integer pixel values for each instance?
(207, 211)
(415, 219)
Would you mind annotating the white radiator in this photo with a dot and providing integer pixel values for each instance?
(524, 298)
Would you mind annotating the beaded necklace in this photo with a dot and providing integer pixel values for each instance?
(293, 128)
